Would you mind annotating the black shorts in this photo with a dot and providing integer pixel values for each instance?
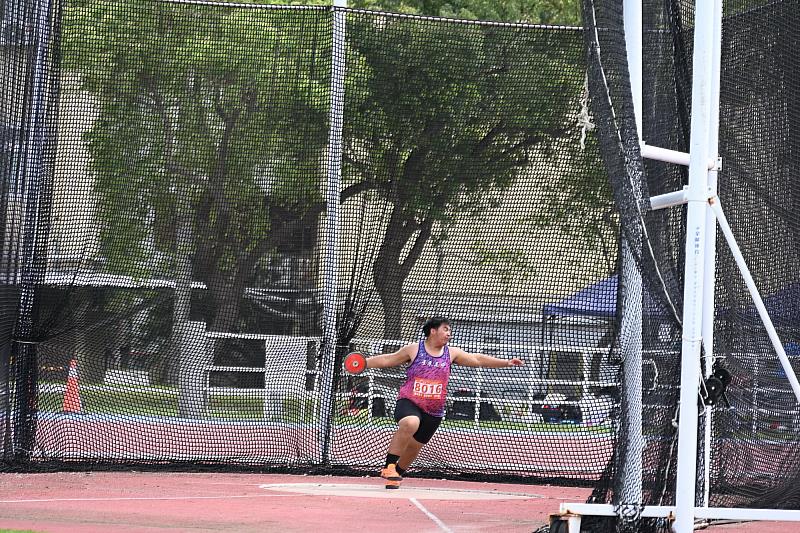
(427, 423)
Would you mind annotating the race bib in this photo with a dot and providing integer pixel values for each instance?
(427, 388)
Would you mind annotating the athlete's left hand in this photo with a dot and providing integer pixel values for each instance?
(516, 362)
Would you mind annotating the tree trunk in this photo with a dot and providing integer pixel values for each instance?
(391, 269)
(390, 291)
(187, 353)
(184, 241)
(226, 291)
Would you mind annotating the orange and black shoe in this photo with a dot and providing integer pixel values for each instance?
(392, 484)
(391, 476)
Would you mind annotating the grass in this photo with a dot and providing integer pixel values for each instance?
(361, 419)
(150, 401)
(163, 401)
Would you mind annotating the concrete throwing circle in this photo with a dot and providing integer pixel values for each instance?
(376, 490)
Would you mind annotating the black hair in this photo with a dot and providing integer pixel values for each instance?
(434, 323)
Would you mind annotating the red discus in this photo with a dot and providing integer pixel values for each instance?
(355, 363)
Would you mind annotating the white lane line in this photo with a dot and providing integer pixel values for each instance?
(357, 490)
(431, 515)
(135, 498)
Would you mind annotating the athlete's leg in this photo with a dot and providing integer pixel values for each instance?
(427, 427)
(406, 427)
(408, 417)
(411, 452)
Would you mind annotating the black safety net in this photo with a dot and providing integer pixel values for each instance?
(228, 199)
(748, 416)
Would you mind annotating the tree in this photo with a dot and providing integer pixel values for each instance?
(210, 129)
(200, 108)
(442, 121)
(560, 12)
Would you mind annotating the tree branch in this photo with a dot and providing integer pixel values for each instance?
(416, 249)
(348, 192)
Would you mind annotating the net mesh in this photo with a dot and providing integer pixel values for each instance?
(206, 206)
(752, 429)
(188, 307)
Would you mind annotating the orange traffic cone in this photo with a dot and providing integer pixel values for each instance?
(72, 396)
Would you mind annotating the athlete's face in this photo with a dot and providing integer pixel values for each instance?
(441, 335)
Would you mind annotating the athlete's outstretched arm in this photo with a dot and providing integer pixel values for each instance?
(460, 357)
(388, 360)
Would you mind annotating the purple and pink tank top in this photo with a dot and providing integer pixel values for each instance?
(426, 381)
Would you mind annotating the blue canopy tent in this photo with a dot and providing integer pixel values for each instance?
(596, 300)
(783, 308)
(584, 318)
(595, 308)
(600, 300)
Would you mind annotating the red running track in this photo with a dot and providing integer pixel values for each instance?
(131, 502)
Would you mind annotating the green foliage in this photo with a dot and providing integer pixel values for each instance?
(554, 12)
(440, 123)
(560, 12)
(211, 125)
(581, 205)
(199, 109)
(440, 137)
(510, 266)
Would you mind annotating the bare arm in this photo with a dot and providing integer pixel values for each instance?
(460, 357)
(388, 360)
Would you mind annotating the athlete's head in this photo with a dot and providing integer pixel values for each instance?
(435, 322)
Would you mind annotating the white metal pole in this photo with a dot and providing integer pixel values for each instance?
(666, 511)
(697, 195)
(709, 283)
(669, 156)
(330, 288)
(631, 277)
(760, 307)
(632, 19)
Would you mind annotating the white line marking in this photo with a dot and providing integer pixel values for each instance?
(134, 498)
(355, 490)
(431, 515)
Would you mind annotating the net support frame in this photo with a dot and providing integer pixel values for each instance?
(631, 323)
(334, 163)
(709, 284)
(716, 208)
(572, 512)
(31, 180)
(695, 266)
(27, 188)
(704, 212)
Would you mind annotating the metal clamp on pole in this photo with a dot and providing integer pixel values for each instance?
(673, 156)
(669, 199)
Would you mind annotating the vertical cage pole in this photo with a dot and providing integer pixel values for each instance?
(334, 167)
(695, 266)
(27, 190)
(709, 284)
(631, 278)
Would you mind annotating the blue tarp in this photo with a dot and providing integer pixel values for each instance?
(598, 300)
(783, 307)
